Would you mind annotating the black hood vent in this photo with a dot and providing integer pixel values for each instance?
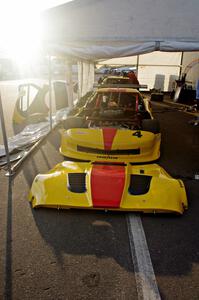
(139, 184)
(77, 182)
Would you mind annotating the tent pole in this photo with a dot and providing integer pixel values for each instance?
(181, 62)
(5, 138)
(69, 81)
(80, 82)
(137, 65)
(50, 90)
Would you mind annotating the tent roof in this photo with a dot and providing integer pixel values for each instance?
(101, 29)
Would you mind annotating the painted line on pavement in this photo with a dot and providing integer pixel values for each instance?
(147, 287)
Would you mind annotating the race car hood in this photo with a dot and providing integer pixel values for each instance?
(110, 143)
(146, 188)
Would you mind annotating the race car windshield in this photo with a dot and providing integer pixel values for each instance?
(113, 99)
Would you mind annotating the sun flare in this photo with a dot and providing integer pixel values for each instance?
(21, 28)
(20, 31)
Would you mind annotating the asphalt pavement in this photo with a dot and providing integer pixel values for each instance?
(173, 241)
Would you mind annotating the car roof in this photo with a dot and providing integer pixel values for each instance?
(117, 77)
(118, 90)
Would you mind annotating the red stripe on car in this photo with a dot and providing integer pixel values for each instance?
(107, 185)
(108, 135)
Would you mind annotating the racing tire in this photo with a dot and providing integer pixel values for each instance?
(74, 122)
(151, 125)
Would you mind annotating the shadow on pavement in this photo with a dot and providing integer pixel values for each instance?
(85, 233)
(173, 240)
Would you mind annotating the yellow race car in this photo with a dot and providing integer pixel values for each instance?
(110, 145)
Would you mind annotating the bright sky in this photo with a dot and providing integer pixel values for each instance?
(20, 27)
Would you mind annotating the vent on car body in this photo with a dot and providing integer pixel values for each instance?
(139, 184)
(77, 182)
(108, 152)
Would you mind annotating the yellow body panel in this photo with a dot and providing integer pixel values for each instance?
(148, 144)
(164, 195)
(18, 118)
(51, 189)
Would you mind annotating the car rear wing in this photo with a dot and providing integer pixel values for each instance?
(121, 85)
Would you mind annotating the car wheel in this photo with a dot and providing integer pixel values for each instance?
(151, 125)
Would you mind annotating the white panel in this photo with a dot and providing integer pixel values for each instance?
(85, 77)
(158, 77)
(153, 58)
(131, 60)
(160, 58)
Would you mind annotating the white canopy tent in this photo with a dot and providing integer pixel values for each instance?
(101, 29)
(94, 30)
